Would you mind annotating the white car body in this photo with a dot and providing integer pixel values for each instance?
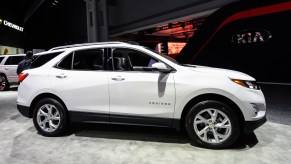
(149, 96)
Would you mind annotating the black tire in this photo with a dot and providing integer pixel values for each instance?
(221, 108)
(4, 84)
(63, 117)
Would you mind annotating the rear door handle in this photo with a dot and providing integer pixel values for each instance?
(62, 76)
(6, 68)
(118, 78)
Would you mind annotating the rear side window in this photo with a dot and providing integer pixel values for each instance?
(1, 58)
(14, 60)
(42, 59)
(88, 60)
(83, 60)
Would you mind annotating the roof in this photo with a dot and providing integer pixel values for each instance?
(85, 44)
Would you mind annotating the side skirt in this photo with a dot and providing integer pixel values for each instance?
(89, 117)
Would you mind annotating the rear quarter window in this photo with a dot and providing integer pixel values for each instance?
(42, 59)
(1, 59)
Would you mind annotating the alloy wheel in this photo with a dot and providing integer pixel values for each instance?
(48, 118)
(2, 83)
(212, 126)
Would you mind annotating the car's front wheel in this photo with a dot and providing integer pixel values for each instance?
(212, 124)
(50, 117)
(4, 85)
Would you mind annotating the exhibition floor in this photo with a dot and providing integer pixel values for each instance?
(20, 142)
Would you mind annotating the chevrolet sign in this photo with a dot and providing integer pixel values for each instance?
(11, 25)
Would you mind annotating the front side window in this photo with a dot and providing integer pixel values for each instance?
(130, 60)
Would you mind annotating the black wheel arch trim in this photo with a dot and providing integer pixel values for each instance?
(42, 96)
(211, 96)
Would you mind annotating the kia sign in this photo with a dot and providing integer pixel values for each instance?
(251, 37)
(11, 25)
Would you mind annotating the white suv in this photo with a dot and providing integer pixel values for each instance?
(120, 83)
(8, 66)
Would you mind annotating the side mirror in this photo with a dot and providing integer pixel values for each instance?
(161, 67)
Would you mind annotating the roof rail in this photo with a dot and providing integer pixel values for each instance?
(85, 44)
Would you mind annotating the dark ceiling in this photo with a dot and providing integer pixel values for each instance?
(18, 6)
(22, 10)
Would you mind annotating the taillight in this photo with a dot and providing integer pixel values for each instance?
(22, 76)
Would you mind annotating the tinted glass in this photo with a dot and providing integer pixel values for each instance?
(42, 59)
(88, 60)
(1, 58)
(14, 60)
(127, 59)
(66, 63)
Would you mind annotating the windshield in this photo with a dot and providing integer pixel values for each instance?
(164, 56)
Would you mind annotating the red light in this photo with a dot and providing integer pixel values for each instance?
(22, 76)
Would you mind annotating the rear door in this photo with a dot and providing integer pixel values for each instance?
(10, 67)
(83, 85)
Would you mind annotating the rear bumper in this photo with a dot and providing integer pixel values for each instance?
(250, 126)
(24, 110)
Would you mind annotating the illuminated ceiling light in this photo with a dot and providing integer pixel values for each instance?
(56, 1)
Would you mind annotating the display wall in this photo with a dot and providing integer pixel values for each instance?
(248, 37)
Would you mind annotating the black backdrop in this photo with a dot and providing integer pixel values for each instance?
(267, 62)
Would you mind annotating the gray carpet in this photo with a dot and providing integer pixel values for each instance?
(20, 143)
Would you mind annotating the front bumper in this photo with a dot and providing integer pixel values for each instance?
(24, 110)
(250, 126)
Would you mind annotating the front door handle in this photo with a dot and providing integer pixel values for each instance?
(118, 78)
(62, 76)
(6, 68)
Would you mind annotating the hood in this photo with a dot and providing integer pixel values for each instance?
(230, 73)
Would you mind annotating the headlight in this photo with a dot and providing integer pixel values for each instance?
(248, 84)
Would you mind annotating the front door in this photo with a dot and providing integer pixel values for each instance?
(139, 95)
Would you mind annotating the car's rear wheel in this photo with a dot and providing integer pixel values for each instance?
(50, 117)
(4, 85)
(212, 124)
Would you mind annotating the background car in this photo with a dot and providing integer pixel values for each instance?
(8, 66)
